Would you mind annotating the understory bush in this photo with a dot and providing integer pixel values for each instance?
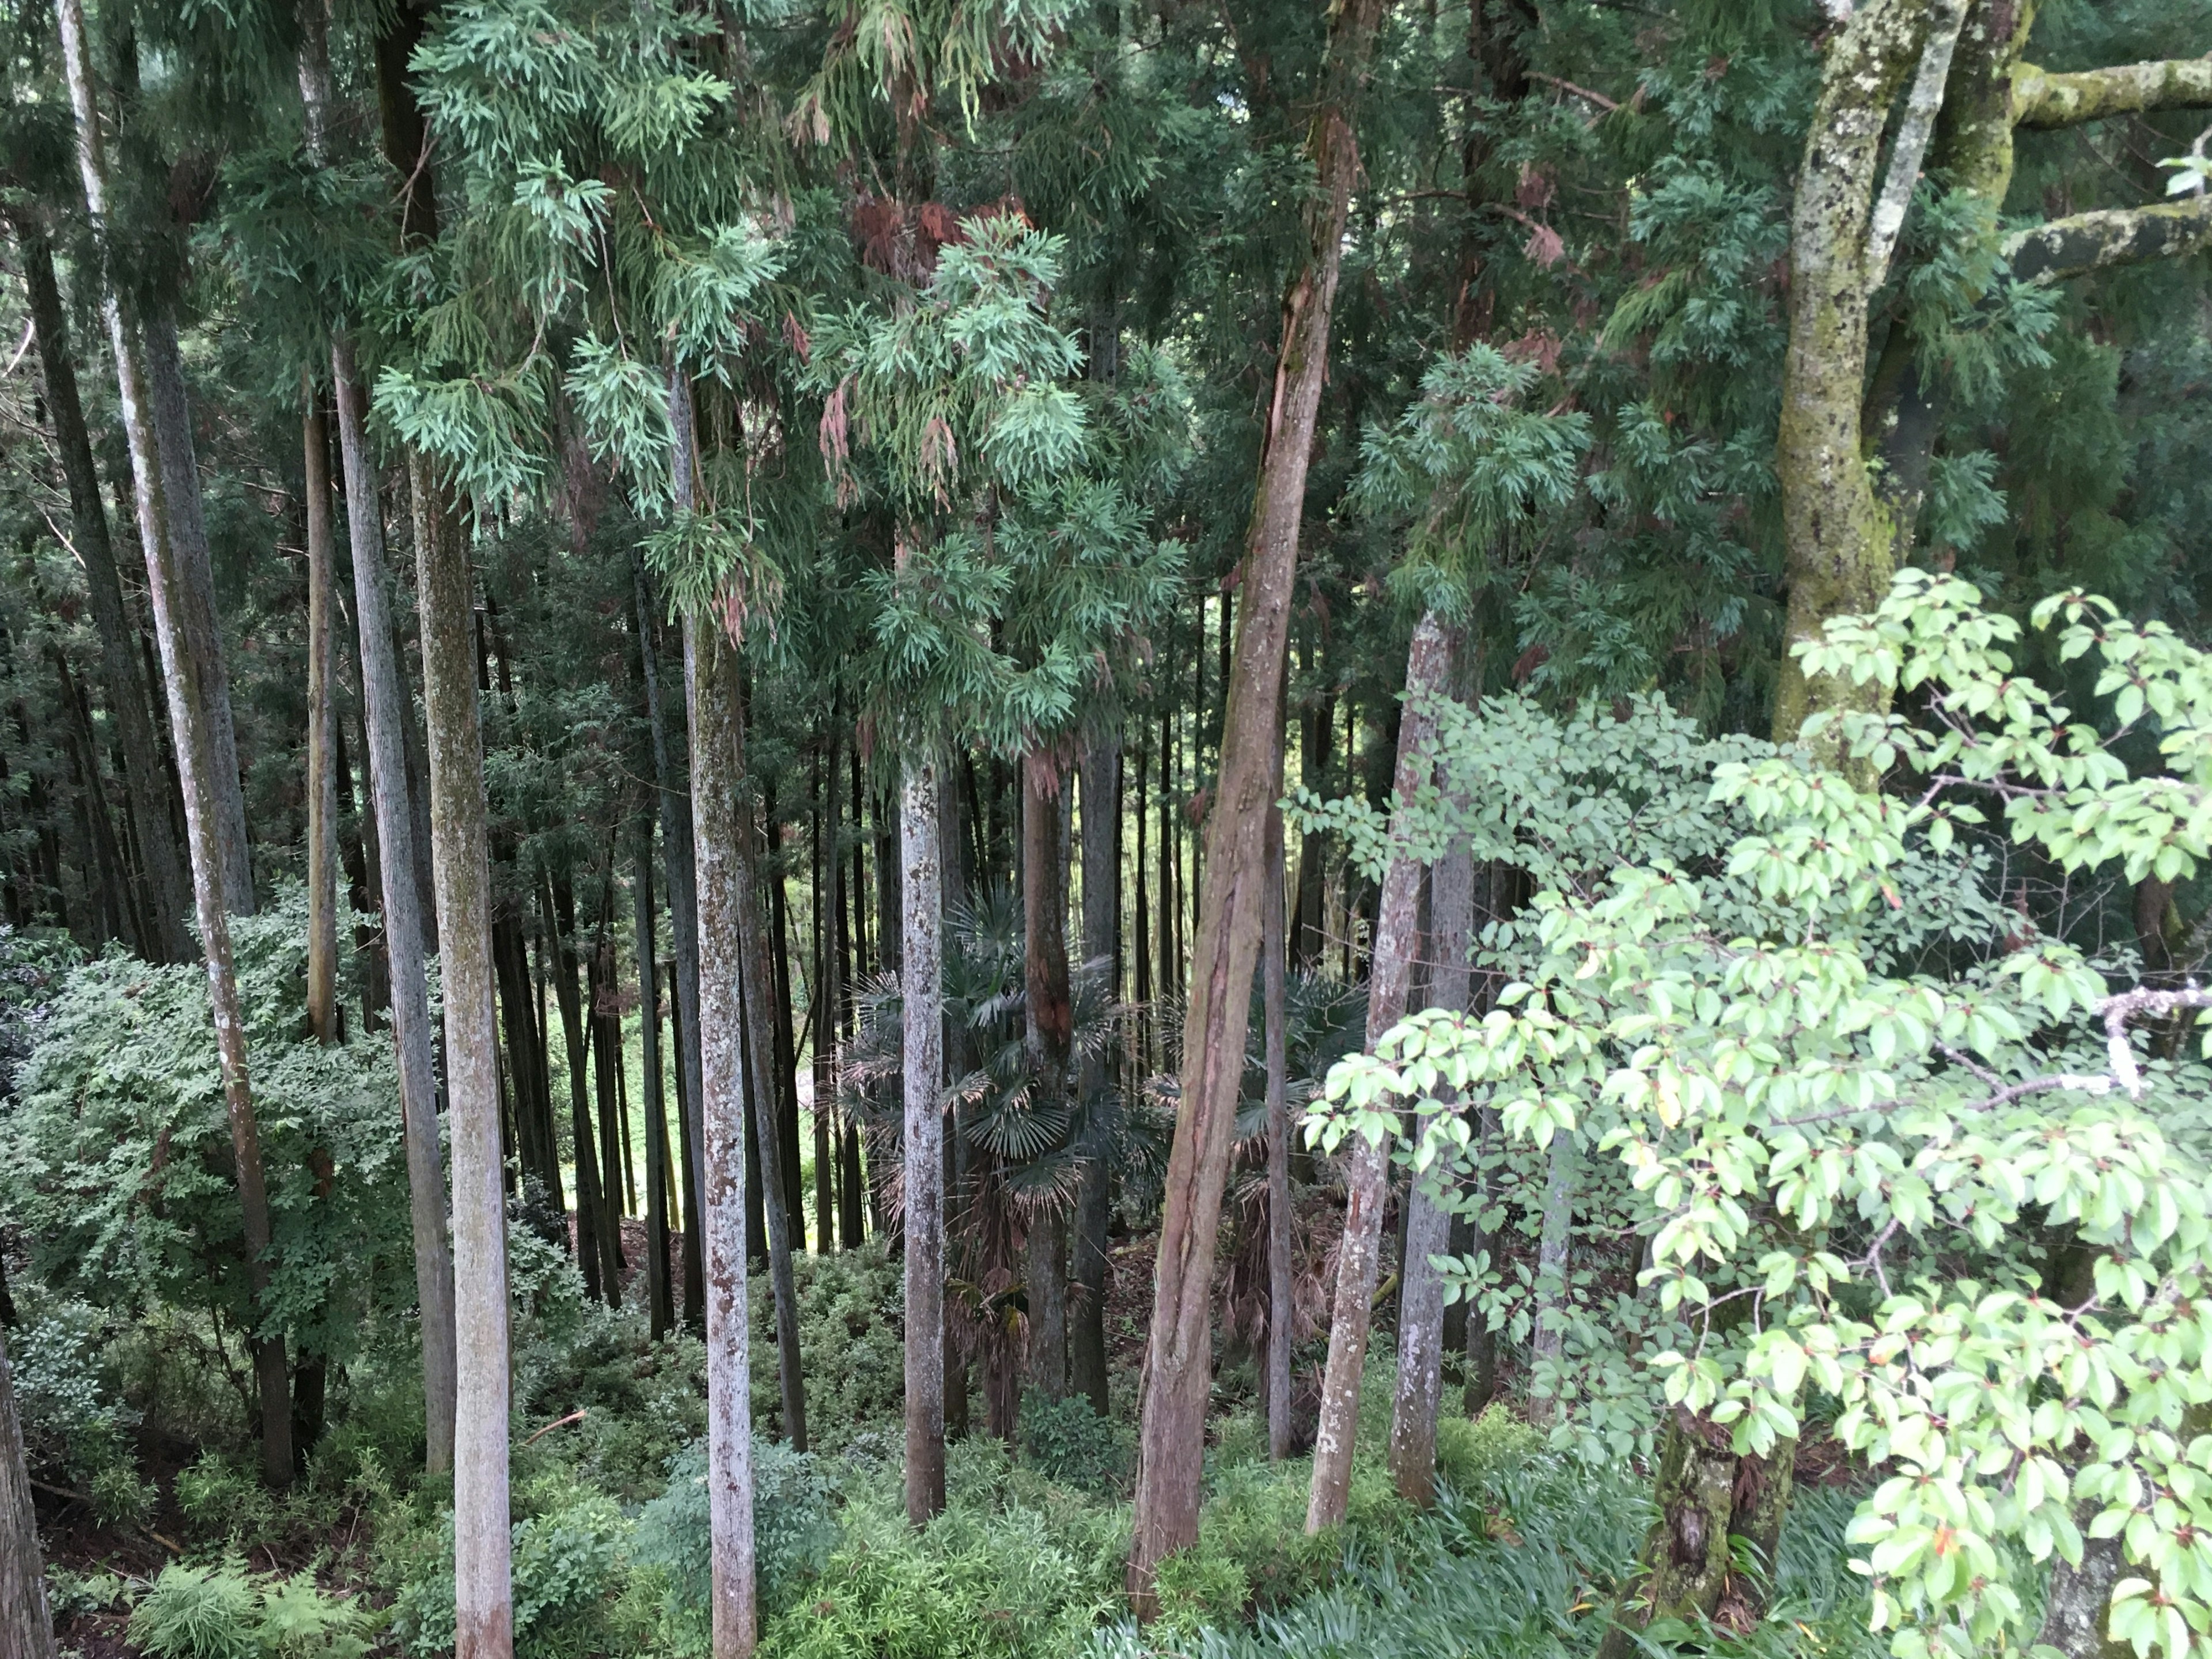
(223, 1612)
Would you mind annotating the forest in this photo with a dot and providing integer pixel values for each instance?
(1105, 828)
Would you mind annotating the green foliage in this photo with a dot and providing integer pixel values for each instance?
(223, 1612)
(568, 1562)
(1873, 1182)
(116, 1159)
(793, 1534)
(1065, 1441)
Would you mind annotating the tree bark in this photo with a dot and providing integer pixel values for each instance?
(1101, 883)
(322, 772)
(1421, 1327)
(1397, 933)
(1554, 1249)
(660, 1303)
(2108, 237)
(1706, 1495)
(145, 774)
(2042, 100)
(921, 988)
(1178, 1367)
(1839, 537)
(1050, 1023)
(711, 705)
(197, 612)
(26, 1628)
(759, 981)
(385, 715)
(594, 1257)
(678, 870)
(461, 866)
(1274, 995)
(190, 725)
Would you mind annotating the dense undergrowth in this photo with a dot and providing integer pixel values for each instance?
(1523, 1554)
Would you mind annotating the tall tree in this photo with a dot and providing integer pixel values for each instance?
(922, 1005)
(460, 862)
(1178, 1367)
(1102, 893)
(709, 683)
(191, 731)
(322, 782)
(1397, 934)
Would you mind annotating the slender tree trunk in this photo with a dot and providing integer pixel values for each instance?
(921, 956)
(716, 830)
(1102, 818)
(1049, 1012)
(387, 719)
(461, 866)
(26, 1629)
(1554, 1249)
(652, 1100)
(385, 716)
(1367, 1167)
(823, 1015)
(606, 1064)
(145, 774)
(322, 772)
(202, 626)
(188, 720)
(678, 868)
(1178, 1369)
(1273, 994)
(594, 1257)
(1839, 537)
(1422, 1330)
(758, 984)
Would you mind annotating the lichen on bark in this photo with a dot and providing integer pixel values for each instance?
(1838, 535)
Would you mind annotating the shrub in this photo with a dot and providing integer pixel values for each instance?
(566, 1568)
(794, 1534)
(1067, 1442)
(218, 1495)
(198, 1612)
(299, 1621)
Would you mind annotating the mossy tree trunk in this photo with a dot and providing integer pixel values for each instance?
(1839, 536)
(26, 1628)
(1706, 1496)
(922, 913)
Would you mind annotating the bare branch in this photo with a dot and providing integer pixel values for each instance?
(2043, 101)
(2108, 237)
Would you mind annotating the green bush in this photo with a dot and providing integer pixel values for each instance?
(198, 1612)
(568, 1565)
(221, 1495)
(222, 1612)
(794, 1533)
(1067, 1442)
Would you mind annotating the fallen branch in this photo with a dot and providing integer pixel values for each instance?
(575, 1416)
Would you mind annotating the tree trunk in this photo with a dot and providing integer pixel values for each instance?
(1273, 994)
(822, 997)
(716, 830)
(920, 979)
(661, 1305)
(1839, 537)
(1367, 1167)
(197, 613)
(189, 722)
(591, 1254)
(461, 866)
(1050, 1024)
(757, 985)
(678, 868)
(322, 772)
(606, 1064)
(385, 716)
(1705, 1494)
(145, 774)
(1422, 1332)
(26, 1629)
(1178, 1368)
(1102, 883)
(1554, 1250)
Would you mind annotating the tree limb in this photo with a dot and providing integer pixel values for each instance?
(2110, 236)
(2044, 100)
